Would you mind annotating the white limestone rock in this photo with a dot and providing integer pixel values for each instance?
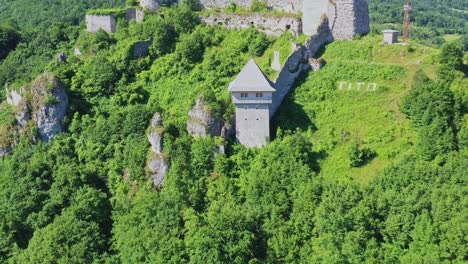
(155, 136)
(157, 165)
(42, 104)
(49, 106)
(202, 122)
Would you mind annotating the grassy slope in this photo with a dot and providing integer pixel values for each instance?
(336, 119)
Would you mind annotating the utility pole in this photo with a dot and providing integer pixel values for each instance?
(407, 9)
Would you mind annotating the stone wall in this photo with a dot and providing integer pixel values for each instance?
(284, 5)
(297, 62)
(270, 25)
(253, 124)
(104, 22)
(150, 5)
(319, 39)
(312, 12)
(348, 18)
(134, 13)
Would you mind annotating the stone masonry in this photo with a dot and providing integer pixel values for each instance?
(284, 5)
(134, 14)
(270, 25)
(104, 22)
(347, 18)
(150, 5)
(252, 93)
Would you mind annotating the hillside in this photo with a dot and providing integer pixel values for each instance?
(375, 175)
(431, 20)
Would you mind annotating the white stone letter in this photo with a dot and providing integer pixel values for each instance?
(359, 86)
(341, 85)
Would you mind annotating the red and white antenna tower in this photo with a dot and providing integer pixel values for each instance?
(407, 9)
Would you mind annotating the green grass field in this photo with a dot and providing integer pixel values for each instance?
(337, 119)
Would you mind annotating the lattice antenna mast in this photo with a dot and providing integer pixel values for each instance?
(407, 9)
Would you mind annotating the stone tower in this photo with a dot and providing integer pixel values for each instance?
(252, 94)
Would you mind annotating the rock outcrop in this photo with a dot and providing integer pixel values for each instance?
(157, 164)
(201, 121)
(49, 105)
(42, 104)
(274, 25)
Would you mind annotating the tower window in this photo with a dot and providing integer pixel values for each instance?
(258, 94)
(244, 95)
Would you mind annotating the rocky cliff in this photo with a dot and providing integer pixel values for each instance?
(41, 105)
(157, 165)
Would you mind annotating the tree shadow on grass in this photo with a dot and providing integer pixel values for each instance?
(291, 116)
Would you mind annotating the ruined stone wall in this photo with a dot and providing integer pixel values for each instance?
(297, 62)
(312, 12)
(150, 5)
(104, 22)
(270, 25)
(284, 5)
(348, 18)
(134, 14)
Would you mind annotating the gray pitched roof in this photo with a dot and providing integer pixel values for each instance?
(251, 79)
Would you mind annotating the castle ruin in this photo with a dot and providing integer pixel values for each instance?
(104, 22)
(255, 96)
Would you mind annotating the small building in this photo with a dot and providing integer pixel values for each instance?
(252, 93)
(390, 36)
(104, 22)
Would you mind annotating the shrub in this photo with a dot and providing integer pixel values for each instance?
(359, 156)
(259, 6)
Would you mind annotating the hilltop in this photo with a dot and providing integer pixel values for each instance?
(367, 162)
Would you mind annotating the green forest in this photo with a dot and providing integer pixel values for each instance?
(348, 177)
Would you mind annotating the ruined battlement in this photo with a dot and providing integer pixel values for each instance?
(272, 25)
(104, 22)
(347, 18)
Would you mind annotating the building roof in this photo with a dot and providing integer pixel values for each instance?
(251, 79)
(390, 31)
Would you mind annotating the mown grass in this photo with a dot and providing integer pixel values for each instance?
(336, 119)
